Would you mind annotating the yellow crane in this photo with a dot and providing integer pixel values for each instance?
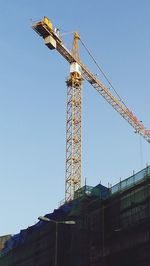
(78, 73)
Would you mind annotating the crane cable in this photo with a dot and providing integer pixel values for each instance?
(141, 151)
(101, 70)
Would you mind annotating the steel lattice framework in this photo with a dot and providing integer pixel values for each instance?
(73, 136)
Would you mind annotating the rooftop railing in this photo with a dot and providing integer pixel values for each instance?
(131, 181)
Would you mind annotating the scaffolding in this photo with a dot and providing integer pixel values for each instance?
(120, 225)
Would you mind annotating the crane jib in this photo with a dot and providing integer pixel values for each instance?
(45, 30)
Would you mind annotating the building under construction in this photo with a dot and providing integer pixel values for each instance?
(111, 227)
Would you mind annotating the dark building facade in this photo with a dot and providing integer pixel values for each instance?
(112, 229)
(120, 225)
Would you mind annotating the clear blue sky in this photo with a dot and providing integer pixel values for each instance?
(33, 101)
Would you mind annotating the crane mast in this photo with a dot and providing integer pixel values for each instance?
(74, 126)
(78, 72)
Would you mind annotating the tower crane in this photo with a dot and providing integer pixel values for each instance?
(78, 73)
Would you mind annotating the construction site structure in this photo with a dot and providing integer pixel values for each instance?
(111, 227)
(79, 72)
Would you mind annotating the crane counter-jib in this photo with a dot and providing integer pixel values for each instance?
(45, 29)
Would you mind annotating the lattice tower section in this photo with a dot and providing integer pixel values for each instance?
(73, 136)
